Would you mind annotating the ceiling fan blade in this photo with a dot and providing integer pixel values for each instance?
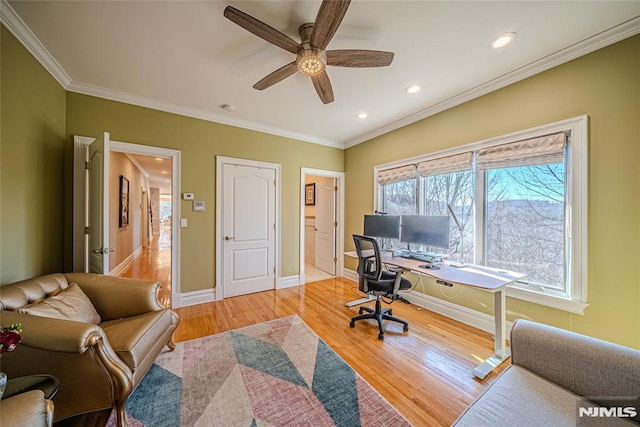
(359, 58)
(261, 29)
(278, 75)
(327, 22)
(323, 87)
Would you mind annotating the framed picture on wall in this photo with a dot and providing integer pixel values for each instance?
(310, 194)
(124, 201)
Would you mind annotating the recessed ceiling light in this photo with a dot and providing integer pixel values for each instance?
(163, 172)
(159, 158)
(412, 89)
(502, 40)
(362, 115)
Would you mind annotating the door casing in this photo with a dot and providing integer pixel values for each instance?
(339, 217)
(147, 150)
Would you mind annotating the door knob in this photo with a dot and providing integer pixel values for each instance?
(228, 238)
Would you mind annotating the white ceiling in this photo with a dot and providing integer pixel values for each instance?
(185, 57)
(157, 169)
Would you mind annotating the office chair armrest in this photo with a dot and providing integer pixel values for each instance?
(396, 269)
(396, 285)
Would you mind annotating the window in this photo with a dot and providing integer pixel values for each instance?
(519, 201)
(447, 186)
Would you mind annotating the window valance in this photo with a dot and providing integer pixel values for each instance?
(443, 165)
(391, 176)
(542, 150)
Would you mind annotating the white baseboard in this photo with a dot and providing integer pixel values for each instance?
(482, 321)
(197, 297)
(122, 267)
(288, 282)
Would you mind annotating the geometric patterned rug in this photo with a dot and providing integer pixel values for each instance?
(277, 373)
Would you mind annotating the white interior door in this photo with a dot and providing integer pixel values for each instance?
(326, 225)
(248, 225)
(96, 246)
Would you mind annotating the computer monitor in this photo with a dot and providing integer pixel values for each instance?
(425, 230)
(385, 226)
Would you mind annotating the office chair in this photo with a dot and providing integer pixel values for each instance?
(372, 279)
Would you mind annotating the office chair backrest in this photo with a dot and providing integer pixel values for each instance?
(369, 260)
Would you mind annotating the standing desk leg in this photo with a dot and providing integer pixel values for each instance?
(502, 352)
(368, 298)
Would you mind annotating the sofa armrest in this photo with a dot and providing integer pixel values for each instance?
(118, 297)
(52, 334)
(602, 372)
(26, 409)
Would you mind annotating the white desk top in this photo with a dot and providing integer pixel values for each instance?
(485, 278)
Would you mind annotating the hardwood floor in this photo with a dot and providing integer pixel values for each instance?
(425, 373)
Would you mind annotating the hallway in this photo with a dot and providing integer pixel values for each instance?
(154, 263)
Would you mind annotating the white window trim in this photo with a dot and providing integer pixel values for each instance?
(576, 195)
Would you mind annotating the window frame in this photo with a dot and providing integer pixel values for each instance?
(574, 298)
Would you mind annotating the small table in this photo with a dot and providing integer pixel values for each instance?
(47, 383)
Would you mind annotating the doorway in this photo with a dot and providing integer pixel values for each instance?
(141, 209)
(322, 224)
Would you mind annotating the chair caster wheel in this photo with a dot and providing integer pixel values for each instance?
(390, 312)
(360, 311)
(381, 337)
(352, 324)
(405, 328)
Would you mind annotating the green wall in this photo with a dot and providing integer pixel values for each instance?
(604, 85)
(32, 176)
(200, 142)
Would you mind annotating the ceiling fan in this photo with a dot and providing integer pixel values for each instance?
(311, 56)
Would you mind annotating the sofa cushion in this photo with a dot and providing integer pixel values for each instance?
(133, 337)
(521, 398)
(70, 304)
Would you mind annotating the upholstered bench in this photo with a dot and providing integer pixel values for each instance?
(97, 334)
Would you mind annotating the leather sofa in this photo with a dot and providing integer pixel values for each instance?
(560, 378)
(97, 334)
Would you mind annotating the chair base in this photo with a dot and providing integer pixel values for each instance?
(379, 314)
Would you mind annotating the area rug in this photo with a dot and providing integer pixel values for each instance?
(277, 373)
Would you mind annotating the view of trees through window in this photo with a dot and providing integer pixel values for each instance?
(524, 217)
(525, 222)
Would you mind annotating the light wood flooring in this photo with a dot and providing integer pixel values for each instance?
(425, 373)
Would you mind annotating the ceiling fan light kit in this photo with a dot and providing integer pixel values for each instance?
(311, 61)
(312, 57)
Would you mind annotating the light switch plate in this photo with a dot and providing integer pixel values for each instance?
(184, 223)
(188, 196)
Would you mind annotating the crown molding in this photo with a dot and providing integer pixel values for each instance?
(608, 37)
(140, 101)
(19, 29)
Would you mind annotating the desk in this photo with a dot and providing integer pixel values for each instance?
(487, 279)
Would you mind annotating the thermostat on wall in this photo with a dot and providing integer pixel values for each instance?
(198, 205)
(187, 196)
